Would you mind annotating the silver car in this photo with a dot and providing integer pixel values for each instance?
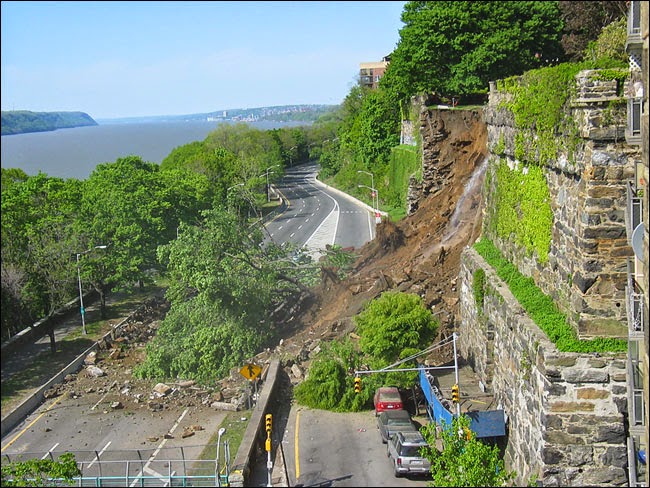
(404, 453)
(392, 421)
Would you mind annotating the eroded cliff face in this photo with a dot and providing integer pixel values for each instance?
(421, 253)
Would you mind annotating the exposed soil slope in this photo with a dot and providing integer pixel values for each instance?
(421, 253)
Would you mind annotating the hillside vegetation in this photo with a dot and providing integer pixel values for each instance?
(22, 121)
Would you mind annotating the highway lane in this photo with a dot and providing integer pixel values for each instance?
(323, 448)
(88, 425)
(317, 216)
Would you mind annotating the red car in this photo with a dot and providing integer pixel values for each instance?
(387, 398)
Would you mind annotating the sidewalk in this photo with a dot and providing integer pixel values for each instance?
(35, 357)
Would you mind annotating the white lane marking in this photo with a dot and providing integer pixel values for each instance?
(292, 235)
(51, 449)
(160, 446)
(300, 227)
(100, 400)
(100, 454)
(370, 226)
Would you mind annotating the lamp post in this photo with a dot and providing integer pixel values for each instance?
(81, 295)
(291, 155)
(372, 184)
(222, 430)
(374, 194)
(268, 189)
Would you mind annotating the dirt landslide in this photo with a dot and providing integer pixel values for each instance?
(420, 254)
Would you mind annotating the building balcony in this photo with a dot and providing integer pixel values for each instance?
(635, 301)
(634, 210)
(634, 25)
(634, 113)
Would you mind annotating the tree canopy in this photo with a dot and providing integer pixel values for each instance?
(456, 48)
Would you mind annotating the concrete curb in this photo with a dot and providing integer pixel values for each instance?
(28, 405)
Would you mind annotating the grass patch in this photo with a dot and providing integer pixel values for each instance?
(235, 428)
(541, 308)
(44, 364)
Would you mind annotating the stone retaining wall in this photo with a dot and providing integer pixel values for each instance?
(565, 411)
(586, 272)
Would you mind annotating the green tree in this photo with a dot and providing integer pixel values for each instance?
(464, 460)
(330, 382)
(11, 176)
(133, 207)
(38, 245)
(584, 21)
(456, 48)
(223, 288)
(41, 472)
(254, 150)
(393, 322)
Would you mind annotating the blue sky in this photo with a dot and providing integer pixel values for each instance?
(130, 59)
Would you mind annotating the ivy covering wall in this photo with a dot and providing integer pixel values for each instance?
(521, 207)
(404, 162)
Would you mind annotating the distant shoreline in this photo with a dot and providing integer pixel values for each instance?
(16, 122)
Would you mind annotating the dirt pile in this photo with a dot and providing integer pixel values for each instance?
(420, 254)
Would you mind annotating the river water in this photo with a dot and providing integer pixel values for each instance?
(74, 153)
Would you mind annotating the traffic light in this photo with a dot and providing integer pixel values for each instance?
(455, 394)
(268, 422)
(357, 384)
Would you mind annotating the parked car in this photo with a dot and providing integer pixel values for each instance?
(387, 398)
(404, 453)
(392, 421)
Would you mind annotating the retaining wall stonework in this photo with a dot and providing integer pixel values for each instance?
(565, 411)
(586, 272)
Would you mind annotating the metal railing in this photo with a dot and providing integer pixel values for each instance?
(634, 214)
(635, 301)
(137, 467)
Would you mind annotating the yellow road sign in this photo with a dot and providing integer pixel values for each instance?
(250, 371)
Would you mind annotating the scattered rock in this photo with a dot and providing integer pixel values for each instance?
(94, 371)
(161, 389)
(91, 358)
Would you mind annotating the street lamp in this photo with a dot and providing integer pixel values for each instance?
(221, 432)
(81, 295)
(374, 194)
(234, 186)
(291, 155)
(268, 192)
(372, 177)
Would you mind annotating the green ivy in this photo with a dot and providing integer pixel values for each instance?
(541, 308)
(405, 161)
(522, 208)
(613, 74)
(478, 286)
(538, 102)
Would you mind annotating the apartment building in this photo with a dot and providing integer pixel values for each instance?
(637, 231)
(371, 73)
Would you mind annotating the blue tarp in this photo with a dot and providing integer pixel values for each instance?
(489, 423)
(435, 409)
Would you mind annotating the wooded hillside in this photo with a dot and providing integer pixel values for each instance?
(21, 121)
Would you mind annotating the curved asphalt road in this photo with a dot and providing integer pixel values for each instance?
(317, 215)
